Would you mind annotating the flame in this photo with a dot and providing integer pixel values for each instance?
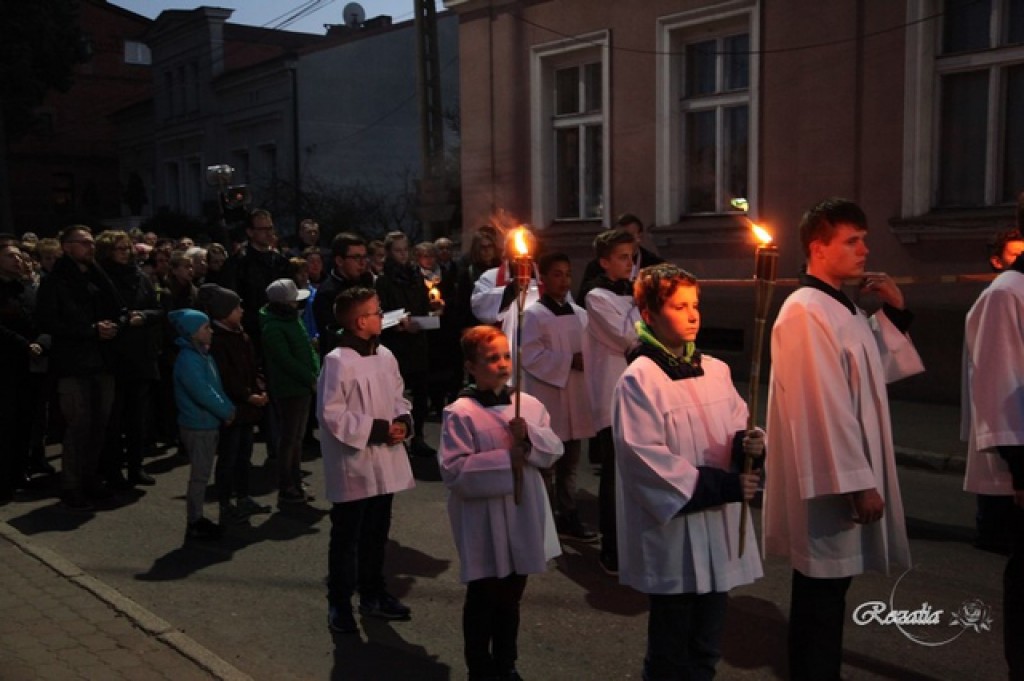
(761, 234)
(519, 240)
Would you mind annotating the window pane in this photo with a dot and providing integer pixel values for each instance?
(592, 86)
(962, 140)
(737, 62)
(567, 91)
(567, 172)
(1013, 162)
(965, 25)
(700, 68)
(700, 162)
(593, 173)
(736, 153)
(1015, 21)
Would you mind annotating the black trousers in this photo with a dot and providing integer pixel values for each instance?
(817, 611)
(1013, 600)
(490, 624)
(606, 492)
(684, 636)
(355, 558)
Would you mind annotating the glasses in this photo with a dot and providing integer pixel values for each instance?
(378, 313)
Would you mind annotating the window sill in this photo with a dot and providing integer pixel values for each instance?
(727, 228)
(953, 224)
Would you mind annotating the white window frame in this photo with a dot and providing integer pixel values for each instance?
(924, 69)
(544, 60)
(673, 32)
(137, 53)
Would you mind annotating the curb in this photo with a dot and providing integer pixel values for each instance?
(145, 620)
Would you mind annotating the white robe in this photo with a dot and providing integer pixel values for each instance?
(494, 536)
(611, 331)
(663, 429)
(549, 342)
(992, 395)
(353, 391)
(829, 434)
(485, 302)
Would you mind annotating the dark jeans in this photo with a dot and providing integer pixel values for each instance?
(234, 454)
(490, 624)
(992, 521)
(1013, 600)
(85, 402)
(15, 429)
(684, 636)
(292, 413)
(817, 611)
(606, 492)
(128, 430)
(355, 557)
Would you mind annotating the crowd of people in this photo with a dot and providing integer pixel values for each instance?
(134, 340)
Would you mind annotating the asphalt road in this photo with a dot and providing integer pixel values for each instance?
(257, 598)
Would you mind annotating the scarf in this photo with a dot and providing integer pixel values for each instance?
(675, 367)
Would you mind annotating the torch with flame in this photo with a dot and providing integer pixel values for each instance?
(523, 267)
(765, 260)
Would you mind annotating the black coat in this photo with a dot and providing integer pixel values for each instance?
(323, 306)
(400, 286)
(137, 347)
(248, 275)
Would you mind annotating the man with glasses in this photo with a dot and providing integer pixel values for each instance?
(77, 307)
(349, 260)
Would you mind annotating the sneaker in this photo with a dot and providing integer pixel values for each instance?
(75, 500)
(291, 496)
(340, 619)
(385, 607)
(570, 527)
(204, 529)
(609, 562)
(249, 506)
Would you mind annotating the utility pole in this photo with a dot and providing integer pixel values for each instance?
(435, 208)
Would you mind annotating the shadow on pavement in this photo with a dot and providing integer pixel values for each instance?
(755, 635)
(383, 655)
(930, 531)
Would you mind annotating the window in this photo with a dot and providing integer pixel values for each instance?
(137, 53)
(964, 104)
(705, 122)
(569, 101)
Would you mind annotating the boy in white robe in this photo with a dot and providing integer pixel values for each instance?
(486, 455)
(832, 498)
(553, 372)
(611, 332)
(364, 420)
(994, 418)
(680, 437)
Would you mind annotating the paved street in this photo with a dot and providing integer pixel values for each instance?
(255, 601)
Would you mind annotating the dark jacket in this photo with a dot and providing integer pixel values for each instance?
(248, 274)
(323, 306)
(17, 329)
(70, 303)
(400, 286)
(235, 358)
(137, 347)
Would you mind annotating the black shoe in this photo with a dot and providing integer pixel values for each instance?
(204, 529)
(117, 482)
(609, 562)
(290, 497)
(340, 620)
(75, 500)
(570, 527)
(511, 675)
(141, 477)
(99, 493)
(385, 606)
(38, 465)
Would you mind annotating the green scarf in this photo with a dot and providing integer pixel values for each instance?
(645, 335)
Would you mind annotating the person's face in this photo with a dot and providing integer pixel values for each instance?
(161, 264)
(123, 252)
(492, 366)
(843, 257)
(80, 247)
(203, 335)
(377, 260)
(199, 266)
(302, 278)
(47, 259)
(1009, 255)
(261, 233)
(150, 238)
(310, 234)
(557, 280)
(316, 266)
(633, 228)
(485, 250)
(183, 272)
(619, 263)
(353, 263)
(214, 262)
(184, 243)
(400, 251)
(369, 318)
(427, 260)
(234, 319)
(678, 320)
(444, 251)
(10, 262)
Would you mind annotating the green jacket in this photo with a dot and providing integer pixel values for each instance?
(289, 360)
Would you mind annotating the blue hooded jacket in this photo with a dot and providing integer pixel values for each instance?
(198, 393)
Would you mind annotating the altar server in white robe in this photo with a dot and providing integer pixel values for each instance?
(993, 425)
(484, 448)
(680, 439)
(553, 372)
(832, 498)
(495, 300)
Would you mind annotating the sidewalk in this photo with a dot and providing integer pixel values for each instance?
(56, 622)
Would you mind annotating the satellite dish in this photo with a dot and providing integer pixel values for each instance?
(354, 15)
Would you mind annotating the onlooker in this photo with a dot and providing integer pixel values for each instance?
(198, 256)
(202, 408)
(377, 255)
(180, 282)
(641, 257)
(348, 252)
(308, 236)
(499, 512)
(363, 420)
(314, 258)
(48, 251)
(216, 260)
(292, 367)
(78, 307)
(553, 372)
(298, 271)
(483, 255)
